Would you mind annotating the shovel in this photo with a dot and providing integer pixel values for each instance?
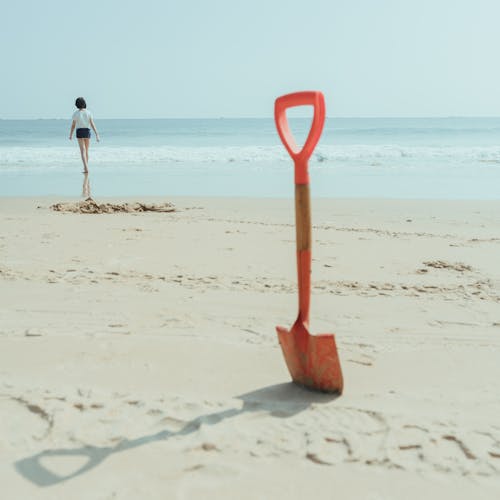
(312, 360)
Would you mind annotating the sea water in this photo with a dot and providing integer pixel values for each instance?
(441, 158)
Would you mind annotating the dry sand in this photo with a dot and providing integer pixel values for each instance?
(139, 360)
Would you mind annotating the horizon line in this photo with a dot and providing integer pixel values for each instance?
(266, 117)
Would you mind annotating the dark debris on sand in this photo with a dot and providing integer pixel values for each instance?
(89, 206)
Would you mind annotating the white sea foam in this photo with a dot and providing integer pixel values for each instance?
(57, 157)
(16, 158)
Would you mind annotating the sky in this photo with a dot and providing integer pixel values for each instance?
(232, 58)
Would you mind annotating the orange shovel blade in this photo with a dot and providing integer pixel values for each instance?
(312, 360)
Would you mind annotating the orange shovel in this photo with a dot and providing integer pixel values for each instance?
(312, 360)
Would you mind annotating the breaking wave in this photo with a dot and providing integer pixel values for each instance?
(17, 158)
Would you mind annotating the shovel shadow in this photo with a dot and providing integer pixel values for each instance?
(281, 401)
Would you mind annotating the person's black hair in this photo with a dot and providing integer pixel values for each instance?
(80, 103)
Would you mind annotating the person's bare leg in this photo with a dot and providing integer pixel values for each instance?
(83, 153)
(87, 146)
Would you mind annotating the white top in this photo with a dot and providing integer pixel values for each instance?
(82, 118)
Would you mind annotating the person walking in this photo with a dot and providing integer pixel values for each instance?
(82, 122)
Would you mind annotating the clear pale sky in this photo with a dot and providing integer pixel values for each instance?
(231, 58)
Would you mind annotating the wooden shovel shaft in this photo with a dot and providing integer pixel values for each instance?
(303, 217)
(303, 232)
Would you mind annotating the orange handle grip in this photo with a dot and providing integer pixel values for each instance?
(300, 156)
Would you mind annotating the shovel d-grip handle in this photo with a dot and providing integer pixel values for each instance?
(300, 156)
(302, 194)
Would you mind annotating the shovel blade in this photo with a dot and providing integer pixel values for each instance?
(312, 360)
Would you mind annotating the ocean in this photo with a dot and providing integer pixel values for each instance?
(424, 158)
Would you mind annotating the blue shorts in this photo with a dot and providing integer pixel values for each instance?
(83, 133)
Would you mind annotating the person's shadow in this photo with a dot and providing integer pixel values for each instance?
(281, 401)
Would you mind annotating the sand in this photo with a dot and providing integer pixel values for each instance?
(139, 359)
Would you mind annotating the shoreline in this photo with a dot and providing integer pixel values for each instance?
(54, 198)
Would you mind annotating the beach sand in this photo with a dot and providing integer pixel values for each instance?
(139, 358)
